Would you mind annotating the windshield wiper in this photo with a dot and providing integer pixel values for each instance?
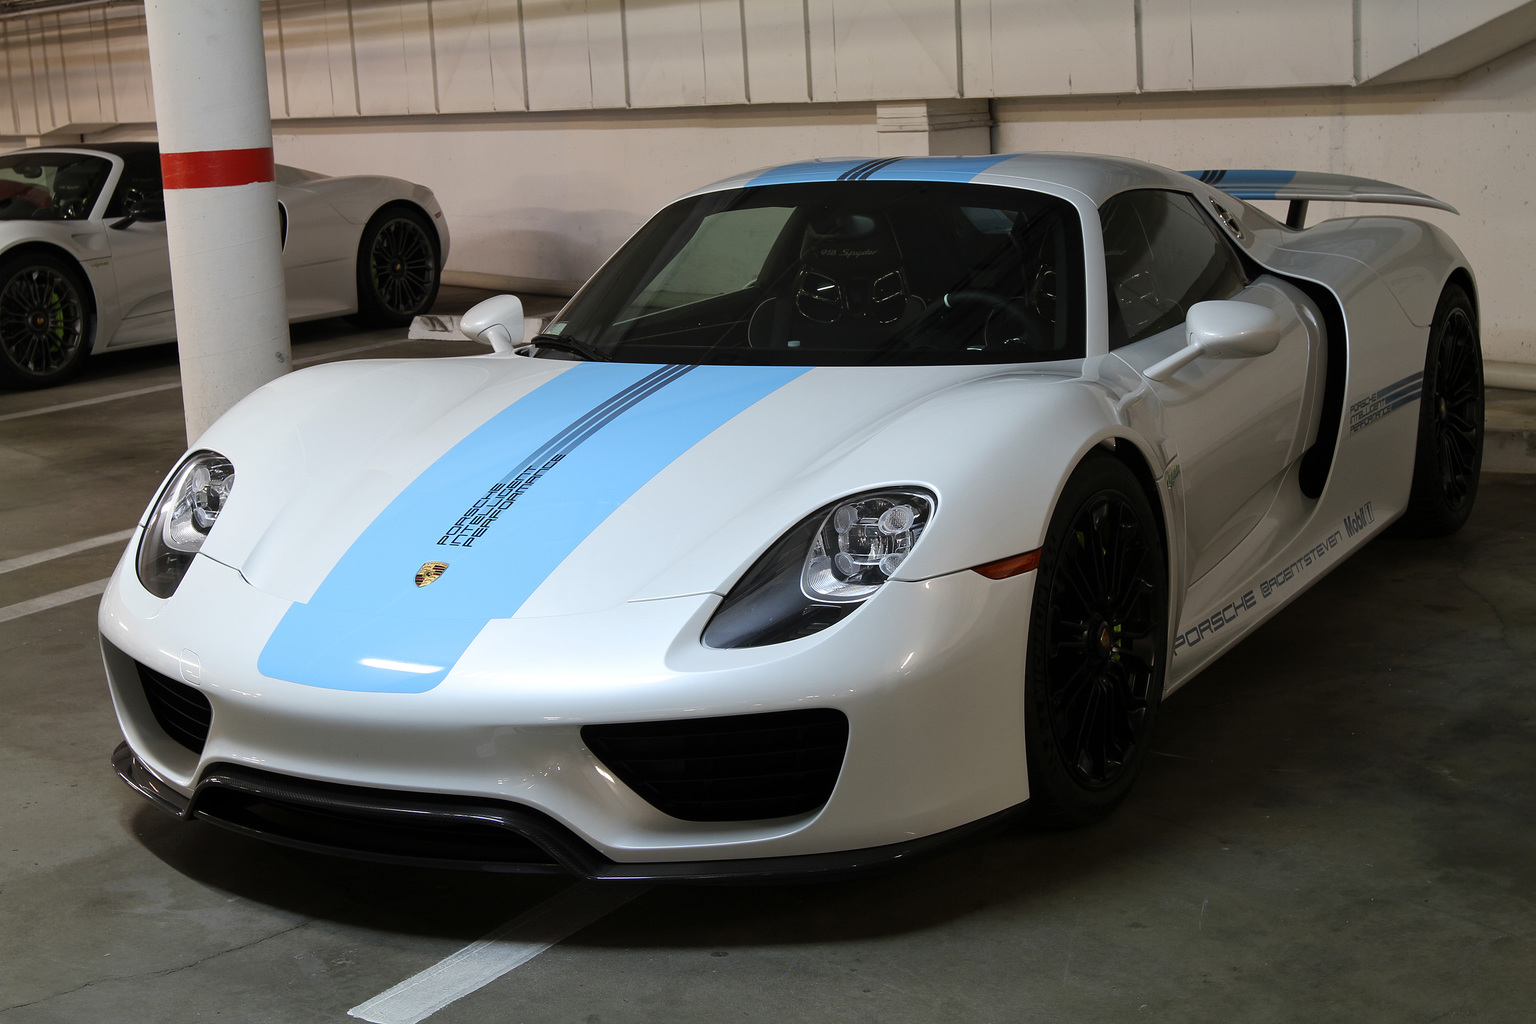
(571, 345)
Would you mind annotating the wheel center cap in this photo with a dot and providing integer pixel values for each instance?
(39, 320)
(1106, 638)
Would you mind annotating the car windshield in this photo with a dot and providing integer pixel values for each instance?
(842, 273)
(50, 186)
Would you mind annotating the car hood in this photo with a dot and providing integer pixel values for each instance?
(434, 495)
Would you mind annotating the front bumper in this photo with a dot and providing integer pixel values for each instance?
(415, 831)
(929, 676)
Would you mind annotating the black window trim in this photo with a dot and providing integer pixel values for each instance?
(1117, 337)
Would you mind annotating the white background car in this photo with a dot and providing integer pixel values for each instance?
(84, 266)
(851, 507)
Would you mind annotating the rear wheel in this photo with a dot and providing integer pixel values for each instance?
(1097, 641)
(45, 320)
(1448, 455)
(397, 267)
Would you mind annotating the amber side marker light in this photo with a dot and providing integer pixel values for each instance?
(1013, 565)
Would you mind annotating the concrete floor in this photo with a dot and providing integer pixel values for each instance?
(1336, 824)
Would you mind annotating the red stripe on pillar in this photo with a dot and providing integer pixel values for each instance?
(217, 168)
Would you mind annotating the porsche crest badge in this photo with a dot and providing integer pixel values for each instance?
(429, 572)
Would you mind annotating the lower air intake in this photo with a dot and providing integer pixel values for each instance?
(736, 768)
(393, 827)
(182, 711)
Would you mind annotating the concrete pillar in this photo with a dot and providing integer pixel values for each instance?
(209, 72)
(934, 128)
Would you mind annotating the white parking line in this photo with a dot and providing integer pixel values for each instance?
(42, 604)
(306, 360)
(349, 351)
(508, 947)
(89, 401)
(22, 561)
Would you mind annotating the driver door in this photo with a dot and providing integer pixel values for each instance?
(141, 259)
(1236, 424)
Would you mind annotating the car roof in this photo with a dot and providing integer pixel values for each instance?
(1096, 177)
(125, 150)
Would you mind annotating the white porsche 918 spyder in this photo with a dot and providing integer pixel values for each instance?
(850, 508)
(84, 265)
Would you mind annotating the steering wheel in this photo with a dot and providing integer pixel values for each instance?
(15, 193)
(1010, 319)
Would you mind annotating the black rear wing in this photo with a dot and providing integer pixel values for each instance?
(1301, 187)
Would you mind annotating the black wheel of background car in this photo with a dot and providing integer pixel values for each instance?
(1097, 641)
(45, 320)
(1448, 455)
(397, 267)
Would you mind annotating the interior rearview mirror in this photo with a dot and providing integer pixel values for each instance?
(147, 210)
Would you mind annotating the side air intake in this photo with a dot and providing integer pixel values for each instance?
(182, 711)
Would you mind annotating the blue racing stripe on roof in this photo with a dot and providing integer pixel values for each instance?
(503, 508)
(810, 170)
(938, 168)
(910, 168)
(1252, 184)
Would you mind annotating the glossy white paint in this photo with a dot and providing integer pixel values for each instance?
(498, 321)
(929, 671)
(1222, 330)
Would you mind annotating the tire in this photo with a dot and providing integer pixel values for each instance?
(46, 320)
(1448, 453)
(1096, 656)
(397, 267)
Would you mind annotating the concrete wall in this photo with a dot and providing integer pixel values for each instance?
(547, 199)
(551, 128)
(84, 66)
(1470, 142)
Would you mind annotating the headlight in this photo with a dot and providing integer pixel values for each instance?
(823, 568)
(184, 513)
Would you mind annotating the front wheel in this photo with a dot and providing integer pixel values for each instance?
(1448, 451)
(1097, 646)
(45, 320)
(397, 267)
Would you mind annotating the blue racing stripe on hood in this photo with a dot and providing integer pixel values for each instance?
(502, 508)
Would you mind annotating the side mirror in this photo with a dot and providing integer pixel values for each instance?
(498, 321)
(1222, 330)
(147, 210)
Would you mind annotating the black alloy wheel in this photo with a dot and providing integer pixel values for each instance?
(1098, 636)
(1448, 453)
(397, 267)
(45, 320)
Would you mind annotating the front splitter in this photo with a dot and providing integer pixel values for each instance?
(433, 831)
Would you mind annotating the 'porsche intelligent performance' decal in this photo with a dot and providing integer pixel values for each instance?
(614, 426)
(1385, 402)
(478, 519)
